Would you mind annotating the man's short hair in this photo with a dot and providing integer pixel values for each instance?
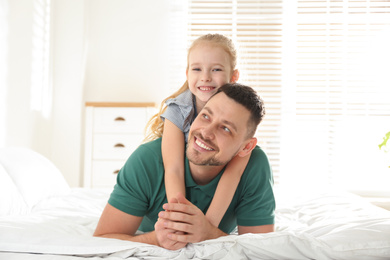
(249, 98)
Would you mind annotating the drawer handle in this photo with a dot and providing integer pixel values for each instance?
(116, 172)
(119, 146)
(119, 118)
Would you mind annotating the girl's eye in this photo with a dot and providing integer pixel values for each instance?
(217, 69)
(196, 69)
(205, 116)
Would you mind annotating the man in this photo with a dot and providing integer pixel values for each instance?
(224, 128)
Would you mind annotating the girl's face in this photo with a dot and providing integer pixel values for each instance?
(208, 69)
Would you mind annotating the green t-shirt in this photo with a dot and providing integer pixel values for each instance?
(140, 190)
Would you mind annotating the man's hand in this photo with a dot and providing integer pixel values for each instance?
(188, 220)
(163, 234)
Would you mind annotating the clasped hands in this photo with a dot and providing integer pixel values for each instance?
(181, 223)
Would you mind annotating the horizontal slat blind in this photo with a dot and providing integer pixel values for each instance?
(177, 56)
(322, 68)
(40, 67)
(255, 27)
(340, 80)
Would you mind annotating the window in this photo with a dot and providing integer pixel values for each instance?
(256, 29)
(3, 68)
(340, 89)
(321, 67)
(41, 92)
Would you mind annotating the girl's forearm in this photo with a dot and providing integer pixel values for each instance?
(174, 183)
(226, 188)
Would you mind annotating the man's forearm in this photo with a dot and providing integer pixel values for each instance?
(147, 238)
(216, 233)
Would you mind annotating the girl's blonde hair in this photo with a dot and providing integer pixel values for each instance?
(154, 128)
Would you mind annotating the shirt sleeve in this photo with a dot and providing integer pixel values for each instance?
(181, 112)
(257, 202)
(173, 113)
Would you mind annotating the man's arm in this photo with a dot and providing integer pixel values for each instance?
(192, 225)
(256, 229)
(117, 224)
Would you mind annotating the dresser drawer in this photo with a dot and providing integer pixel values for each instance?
(120, 120)
(112, 132)
(115, 146)
(104, 173)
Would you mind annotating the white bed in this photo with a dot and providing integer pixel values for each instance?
(42, 218)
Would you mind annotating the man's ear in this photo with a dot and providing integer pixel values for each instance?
(235, 76)
(248, 147)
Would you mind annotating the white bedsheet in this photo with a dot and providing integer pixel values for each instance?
(332, 225)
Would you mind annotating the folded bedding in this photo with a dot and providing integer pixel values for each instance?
(58, 223)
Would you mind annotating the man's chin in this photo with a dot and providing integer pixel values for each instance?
(204, 162)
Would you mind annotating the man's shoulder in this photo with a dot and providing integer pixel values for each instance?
(148, 150)
(259, 162)
(152, 146)
(145, 161)
(258, 156)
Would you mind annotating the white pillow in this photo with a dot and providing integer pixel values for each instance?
(34, 175)
(11, 201)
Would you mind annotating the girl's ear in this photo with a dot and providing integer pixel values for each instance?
(235, 76)
(248, 147)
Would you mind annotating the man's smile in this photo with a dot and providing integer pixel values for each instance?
(202, 145)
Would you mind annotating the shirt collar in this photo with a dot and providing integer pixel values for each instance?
(209, 188)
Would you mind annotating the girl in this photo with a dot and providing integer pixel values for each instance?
(211, 63)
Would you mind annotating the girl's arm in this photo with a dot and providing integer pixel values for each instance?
(172, 147)
(226, 188)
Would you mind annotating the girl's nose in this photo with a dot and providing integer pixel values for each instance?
(206, 76)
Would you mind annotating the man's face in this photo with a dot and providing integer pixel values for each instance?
(218, 132)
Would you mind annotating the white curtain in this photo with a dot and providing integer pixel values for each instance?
(3, 68)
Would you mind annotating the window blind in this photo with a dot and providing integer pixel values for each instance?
(256, 29)
(321, 67)
(341, 92)
(40, 66)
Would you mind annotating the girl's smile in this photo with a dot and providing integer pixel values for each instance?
(208, 69)
(206, 88)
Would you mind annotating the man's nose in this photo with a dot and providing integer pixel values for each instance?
(208, 132)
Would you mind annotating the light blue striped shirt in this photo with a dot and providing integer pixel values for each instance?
(181, 111)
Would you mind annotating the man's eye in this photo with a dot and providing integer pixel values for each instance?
(226, 129)
(205, 116)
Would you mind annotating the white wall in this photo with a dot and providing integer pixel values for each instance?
(21, 126)
(68, 46)
(102, 50)
(18, 116)
(127, 50)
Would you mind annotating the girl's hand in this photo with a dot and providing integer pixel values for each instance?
(189, 220)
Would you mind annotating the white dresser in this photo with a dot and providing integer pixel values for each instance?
(112, 132)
